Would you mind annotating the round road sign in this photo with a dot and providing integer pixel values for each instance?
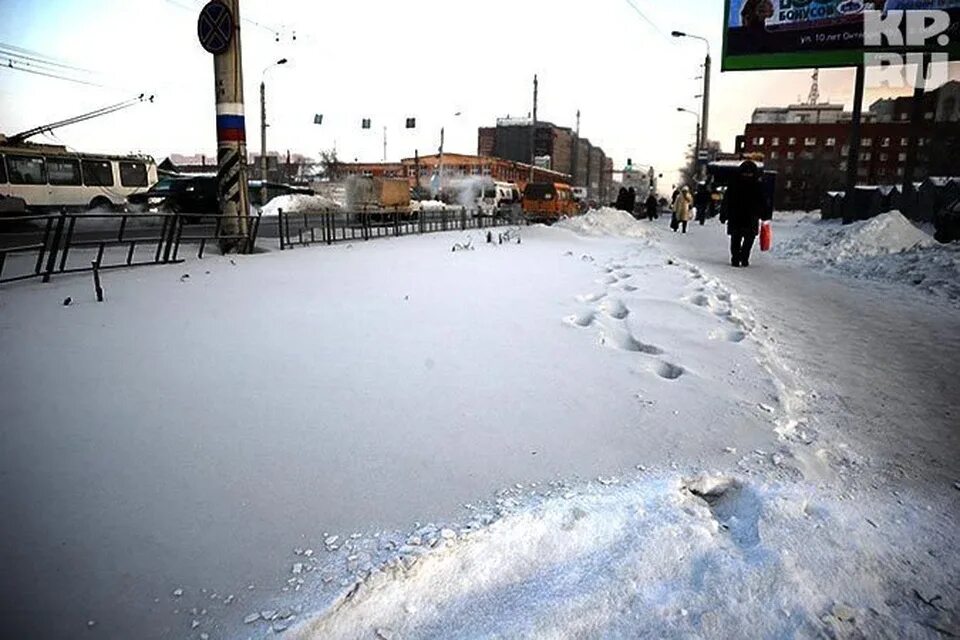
(215, 27)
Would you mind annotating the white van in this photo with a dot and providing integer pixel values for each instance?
(500, 198)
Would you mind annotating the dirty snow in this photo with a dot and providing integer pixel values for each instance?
(886, 248)
(299, 203)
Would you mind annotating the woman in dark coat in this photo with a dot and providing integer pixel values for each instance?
(744, 206)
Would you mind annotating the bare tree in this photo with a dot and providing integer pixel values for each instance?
(330, 165)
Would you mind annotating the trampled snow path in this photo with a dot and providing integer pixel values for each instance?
(296, 452)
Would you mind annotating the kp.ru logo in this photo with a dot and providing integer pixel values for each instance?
(911, 29)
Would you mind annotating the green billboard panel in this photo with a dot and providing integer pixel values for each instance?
(792, 34)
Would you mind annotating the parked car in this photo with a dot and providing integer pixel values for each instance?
(198, 194)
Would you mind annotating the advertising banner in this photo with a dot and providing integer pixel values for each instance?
(787, 34)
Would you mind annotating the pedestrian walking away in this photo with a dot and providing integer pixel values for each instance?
(652, 206)
(744, 206)
(702, 201)
(631, 200)
(621, 200)
(681, 208)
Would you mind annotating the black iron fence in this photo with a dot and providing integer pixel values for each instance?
(41, 246)
(328, 227)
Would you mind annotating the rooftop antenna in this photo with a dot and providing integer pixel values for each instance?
(814, 96)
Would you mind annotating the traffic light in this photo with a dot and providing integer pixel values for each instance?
(318, 118)
(365, 123)
(411, 123)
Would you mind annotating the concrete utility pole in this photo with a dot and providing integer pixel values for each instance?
(853, 156)
(705, 127)
(440, 163)
(916, 121)
(533, 130)
(220, 23)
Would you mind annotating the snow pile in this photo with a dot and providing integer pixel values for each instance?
(605, 222)
(299, 203)
(833, 242)
(701, 556)
(430, 206)
(886, 248)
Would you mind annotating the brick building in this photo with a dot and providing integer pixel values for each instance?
(510, 140)
(455, 166)
(808, 144)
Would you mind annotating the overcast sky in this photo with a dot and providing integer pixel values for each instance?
(387, 60)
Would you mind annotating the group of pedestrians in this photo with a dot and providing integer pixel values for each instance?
(743, 208)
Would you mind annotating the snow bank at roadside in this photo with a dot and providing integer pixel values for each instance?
(604, 222)
(299, 203)
(887, 248)
(831, 241)
(661, 556)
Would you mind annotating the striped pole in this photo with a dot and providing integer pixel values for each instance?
(232, 192)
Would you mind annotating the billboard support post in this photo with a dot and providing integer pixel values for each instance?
(853, 155)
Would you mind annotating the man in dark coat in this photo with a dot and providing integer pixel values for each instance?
(631, 200)
(744, 206)
(652, 207)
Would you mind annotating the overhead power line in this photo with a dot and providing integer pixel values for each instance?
(648, 20)
(9, 64)
(36, 56)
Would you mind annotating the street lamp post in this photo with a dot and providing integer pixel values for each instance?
(704, 130)
(263, 130)
(696, 151)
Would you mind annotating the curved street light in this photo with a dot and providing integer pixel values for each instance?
(702, 141)
(263, 129)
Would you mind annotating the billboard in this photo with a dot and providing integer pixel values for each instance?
(790, 34)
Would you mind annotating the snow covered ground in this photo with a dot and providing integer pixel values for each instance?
(602, 431)
(886, 248)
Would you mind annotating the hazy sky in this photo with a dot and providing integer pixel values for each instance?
(387, 60)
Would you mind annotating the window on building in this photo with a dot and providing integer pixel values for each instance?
(928, 115)
(882, 171)
(810, 142)
(899, 171)
(845, 149)
(788, 169)
(883, 157)
(843, 165)
(63, 171)
(789, 184)
(902, 157)
(790, 155)
(26, 170)
(762, 141)
(806, 155)
(831, 142)
(867, 142)
(3, 170)
(862, 172)
(885, 142)
(792, 141)
(865, 155)
(904, 142)
(133, 174)
(774, 141)
(904, 116)
(97, 173)
(773, 155)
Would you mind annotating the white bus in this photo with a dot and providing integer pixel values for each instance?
(50, 177)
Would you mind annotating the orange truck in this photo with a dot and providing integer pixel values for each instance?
(549, 201)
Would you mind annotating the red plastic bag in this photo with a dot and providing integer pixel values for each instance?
(766, 236)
